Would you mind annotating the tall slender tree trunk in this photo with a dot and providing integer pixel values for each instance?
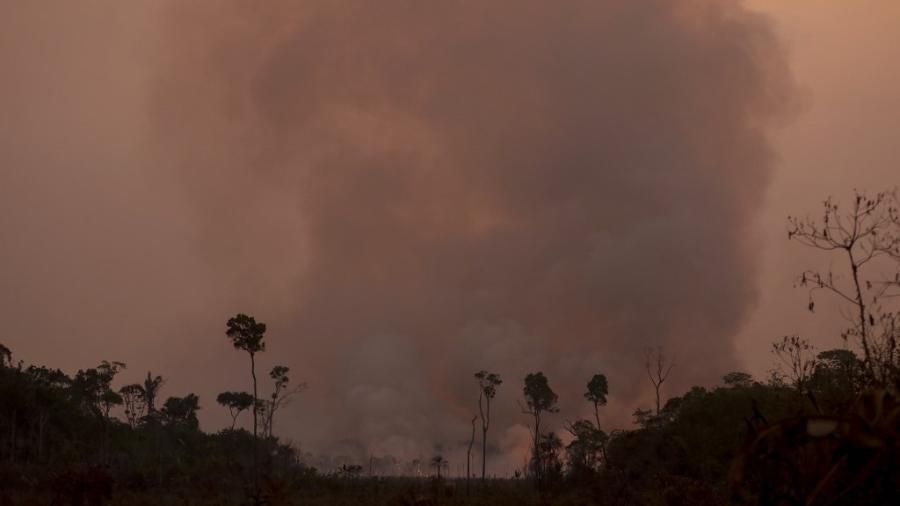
(863, 328)
(537, 447)
(484, 428)
(255, 442)
(469, 455)
(602, 446)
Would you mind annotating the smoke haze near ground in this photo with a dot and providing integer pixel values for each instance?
(406, 192)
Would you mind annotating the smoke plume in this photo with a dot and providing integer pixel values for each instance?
(409, 192)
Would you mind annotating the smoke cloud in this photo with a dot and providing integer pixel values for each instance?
(410, 192)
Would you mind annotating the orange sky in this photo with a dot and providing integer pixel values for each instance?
(846, 57)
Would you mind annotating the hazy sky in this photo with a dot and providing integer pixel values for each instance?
(409, 192)
(846, 57)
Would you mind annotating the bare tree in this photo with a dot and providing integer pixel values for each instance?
(658, 367)
(487, 384)
(867, 231)
(281, 396)
(797, 355)
(469, 455)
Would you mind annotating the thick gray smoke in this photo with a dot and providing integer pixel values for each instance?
(408, 192)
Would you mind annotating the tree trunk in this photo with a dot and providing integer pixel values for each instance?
(485, 422)
(861, 305)
(602, 447)
(537, 447)
(255, 442)
(469, 455)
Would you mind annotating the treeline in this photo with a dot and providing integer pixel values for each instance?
(746, 441)
(59, 433)
(717, 445)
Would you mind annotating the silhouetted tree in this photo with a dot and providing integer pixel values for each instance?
(469, 455)
(597, 390)
(181, 411)
(737, 379)
(658, 367)
(796, 354)
(539, 399)
(438, 462)
(866, 231)
(150, 391)
(642, 417)
(236, 402)
(281, 396)
(351, 470)
(135, 406)
(487, 385)
(586, 449)
(836, 380)
(5, 356)
(247, 335)
(550, 464)
(93, 388)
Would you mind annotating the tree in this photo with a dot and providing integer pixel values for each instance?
(658, 367)
(539, 399)
(48, 387)
(469, 455)
(796, 354)
(550, 464)
(236, 402)
(181, 411)
(92, 391)
(487, 389)
(597, 390)
(92, 388)
(109, 397)
(586, 450)
(737, 379)
(135, 405)
(247, 335)
(5, 356)
(351, 471)
(836, 380)
(281, 396)
(152, 386)
(867, 232)
(439, 462)
(642, 417)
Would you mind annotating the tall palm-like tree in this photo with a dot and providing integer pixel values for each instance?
(247, 334)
